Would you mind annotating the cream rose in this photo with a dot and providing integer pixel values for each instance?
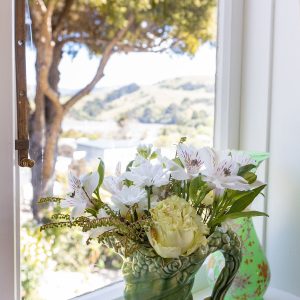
(177, 230)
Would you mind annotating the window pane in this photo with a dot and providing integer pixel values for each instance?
(158, 87)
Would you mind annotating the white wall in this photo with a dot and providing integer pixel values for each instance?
(283, 229)
(270, 121)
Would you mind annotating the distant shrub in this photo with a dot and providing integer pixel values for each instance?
(76, 134)
(124, 90)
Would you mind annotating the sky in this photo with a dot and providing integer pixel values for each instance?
(122, 69)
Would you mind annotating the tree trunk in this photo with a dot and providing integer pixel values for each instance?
(36, 137)
(51, 111)
(45, 127)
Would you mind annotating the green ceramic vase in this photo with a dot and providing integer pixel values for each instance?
(253, 277)
(149, 276)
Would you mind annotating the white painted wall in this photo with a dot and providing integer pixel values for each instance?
(270, 121)
(283, 228)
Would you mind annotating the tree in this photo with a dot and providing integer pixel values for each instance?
(105, 27)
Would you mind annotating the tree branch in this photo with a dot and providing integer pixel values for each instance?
(40, 4)
(66, 9)
(81, 39)
(51, 7)
(99, 74)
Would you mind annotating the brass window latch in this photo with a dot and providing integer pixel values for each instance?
(22, 142)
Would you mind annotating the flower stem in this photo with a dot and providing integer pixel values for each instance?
(187, 190)
(148, 189)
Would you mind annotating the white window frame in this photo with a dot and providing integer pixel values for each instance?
(227, 135)
(9, 212)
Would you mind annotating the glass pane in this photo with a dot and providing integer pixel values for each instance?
(158, 58)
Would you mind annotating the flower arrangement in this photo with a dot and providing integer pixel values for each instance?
(169, 205)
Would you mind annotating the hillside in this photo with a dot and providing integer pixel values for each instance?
(162, 112)
(171, 101)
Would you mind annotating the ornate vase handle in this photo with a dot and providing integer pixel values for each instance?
(229, 244)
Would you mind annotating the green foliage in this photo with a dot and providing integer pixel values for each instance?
(49, 200)
(197, 191)
(58, 249)
(127, 236)
(75, 134)
(237, 215)
(100, 169)
(36, 253)
(180, 26)
(232, 205)
(244, 200)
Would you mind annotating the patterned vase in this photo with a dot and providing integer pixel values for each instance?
(149, 276)
(253, 277)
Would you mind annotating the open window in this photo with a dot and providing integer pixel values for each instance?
(144, 97)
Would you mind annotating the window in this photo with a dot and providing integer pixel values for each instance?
(81, 153)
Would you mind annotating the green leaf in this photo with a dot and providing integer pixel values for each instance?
(245, 169)
(178, 161)
(101, 169)
(237, 215)
(245, 199)
(91, 211)
(250, 177)
(153, 155)
(129, 166)
(195, 186)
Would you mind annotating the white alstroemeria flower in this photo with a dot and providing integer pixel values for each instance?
(129, 196)
(100, 230)
(242, 158)
(192, 160)
(146, 175)
(221, 171)
(82, 190)
(175, 170)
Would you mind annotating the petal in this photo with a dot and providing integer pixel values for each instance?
(118, 169)
(163, 251)
(183, 151)
(69, 202)
(98, 231)
(74, 182)
(90, 182)
(111, 184)
(78, 210)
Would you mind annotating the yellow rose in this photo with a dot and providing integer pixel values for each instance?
(177, 230)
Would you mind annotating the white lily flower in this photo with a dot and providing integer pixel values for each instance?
(146, 175)
(82, 190)
(95, 232)
(222, 172)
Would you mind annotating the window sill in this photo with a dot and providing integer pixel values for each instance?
(115, 292)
